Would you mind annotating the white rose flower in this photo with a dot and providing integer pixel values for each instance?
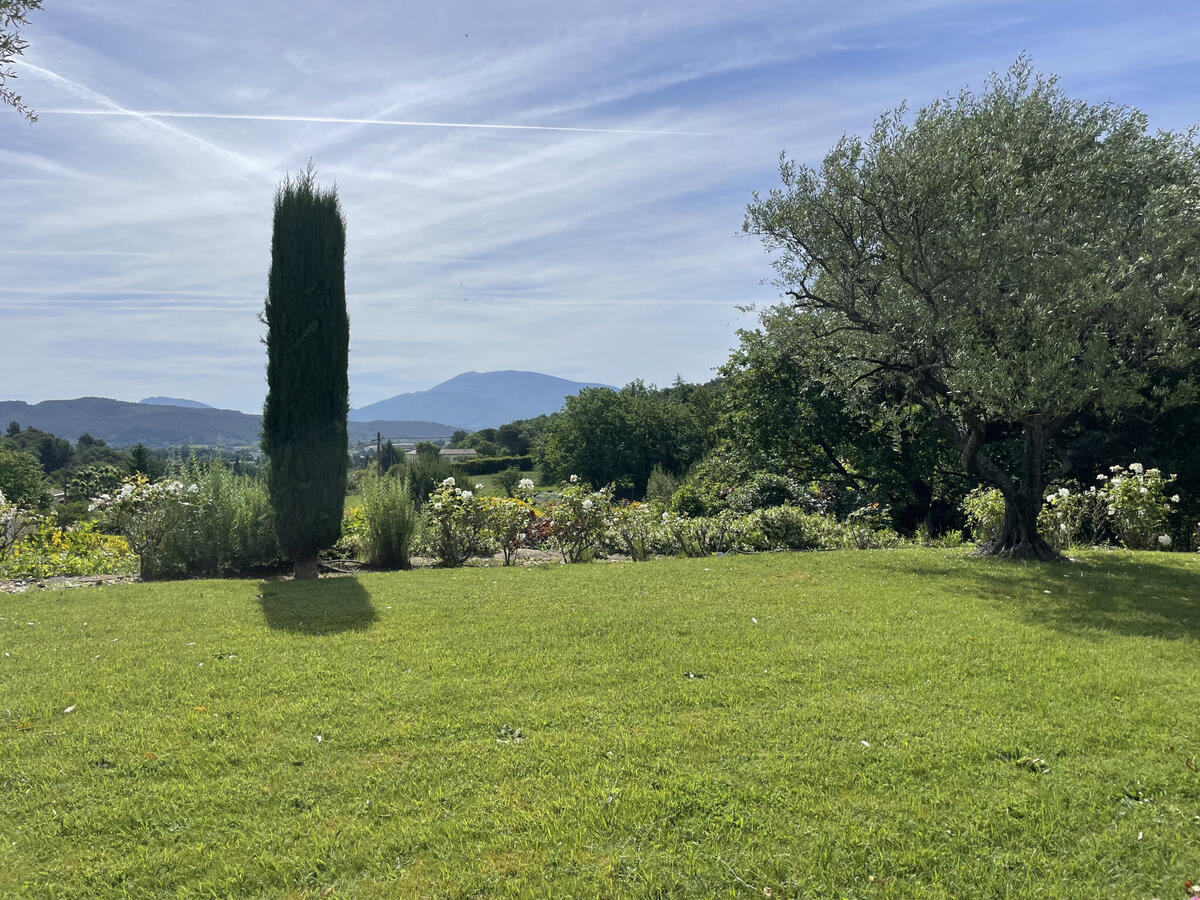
(1136, 468)
(437, 506)
(466, 495)
(1063, 492)
(587, 504)
(1174, 498)
(1144, 491)
(1164, 540)
(449, 482)
(1102, 478)
(525, 484)
(479, 487)
(193, 488)
(574, 479)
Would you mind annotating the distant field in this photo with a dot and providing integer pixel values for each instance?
(862, 725)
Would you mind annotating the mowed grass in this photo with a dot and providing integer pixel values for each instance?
(894, 724)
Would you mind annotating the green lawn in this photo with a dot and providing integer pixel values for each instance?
(894, 724)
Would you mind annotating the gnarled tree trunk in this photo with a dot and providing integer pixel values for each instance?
(1018, 537)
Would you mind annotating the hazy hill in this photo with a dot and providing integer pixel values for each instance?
(124, 424)
(174, 401)
(475, 400)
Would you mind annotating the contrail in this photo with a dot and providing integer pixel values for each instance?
(332, 120)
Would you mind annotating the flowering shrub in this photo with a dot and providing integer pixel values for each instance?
(51, 550)
(510, 523)
(1138, 506)
(984, 508)
(157, 520)
(578, 519)
(14, 522)
(214, 523)
(1073, 519)
(456, 524)
(632, 530)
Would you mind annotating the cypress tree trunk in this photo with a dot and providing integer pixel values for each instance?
(308, 340)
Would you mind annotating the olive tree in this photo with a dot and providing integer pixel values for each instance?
(14, 14)
(1006, 260)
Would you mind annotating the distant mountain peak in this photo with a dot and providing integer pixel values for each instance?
(475, 400)
(174, 401)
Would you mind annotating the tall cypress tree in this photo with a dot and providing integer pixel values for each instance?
(308, 341)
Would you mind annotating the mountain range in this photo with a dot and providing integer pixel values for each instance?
(472, 400)
(475, 400)
(123, 424)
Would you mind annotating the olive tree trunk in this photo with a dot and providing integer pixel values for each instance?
(1018, 537)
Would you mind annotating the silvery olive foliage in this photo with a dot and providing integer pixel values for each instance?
(1003, 261)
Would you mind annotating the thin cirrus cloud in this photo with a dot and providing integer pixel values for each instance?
(531, 187)
(339, 120)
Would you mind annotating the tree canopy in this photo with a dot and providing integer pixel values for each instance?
(1005, 261)
(14, 14)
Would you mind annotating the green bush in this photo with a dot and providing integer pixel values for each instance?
(984, 509)
(661, 486)
(508, 480)
(791, 528)
(390, 523)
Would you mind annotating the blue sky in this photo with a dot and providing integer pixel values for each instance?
(602, 245)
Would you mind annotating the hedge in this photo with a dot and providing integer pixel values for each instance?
(489, 465)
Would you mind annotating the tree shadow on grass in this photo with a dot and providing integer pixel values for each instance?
(1120, 593)
(321, 606)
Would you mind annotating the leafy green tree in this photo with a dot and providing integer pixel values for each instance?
(1004, 262)
(511, 440)
(21, 478)
(53, 452)
(14, 14)
(784, 413)
(427, 449)
(14, 428)
(308, 338)
(606, 436)
(508, 479)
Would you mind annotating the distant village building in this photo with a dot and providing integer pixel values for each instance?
(448, 454)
